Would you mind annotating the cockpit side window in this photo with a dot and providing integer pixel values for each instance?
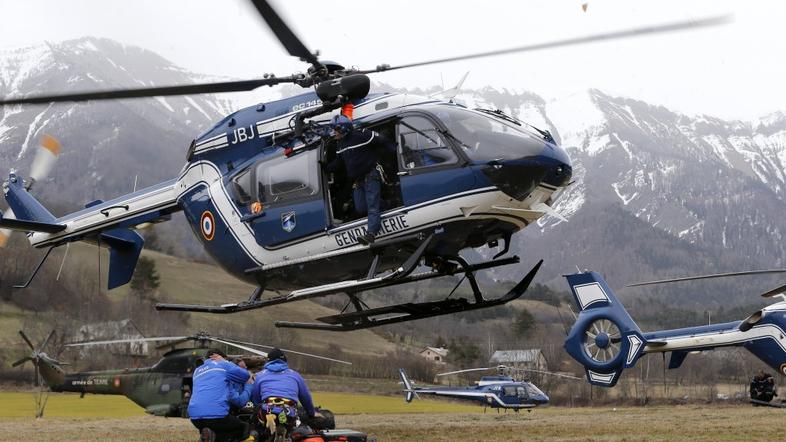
(522, 393)
(421, 145)
(283, 179)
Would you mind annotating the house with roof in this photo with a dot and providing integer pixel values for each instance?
(531, 359)
(435, 354)
(112, 330)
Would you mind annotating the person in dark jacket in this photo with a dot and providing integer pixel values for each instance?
(358, 151)
(762, 387)
(212, 396)
(277, 389)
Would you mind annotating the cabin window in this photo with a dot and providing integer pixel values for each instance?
(421, 144)
(243, 187)
(509, 391)
(285, 179)
(173, 364)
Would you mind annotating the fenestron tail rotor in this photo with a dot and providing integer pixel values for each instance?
(602, 340)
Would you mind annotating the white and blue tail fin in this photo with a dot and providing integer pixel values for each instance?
(604, 339)
(409, 392)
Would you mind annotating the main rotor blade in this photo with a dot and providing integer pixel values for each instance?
(775, 291)
(634, 32)
(46, 341)
(293, 352)
(291, 42)
(176, 342)
(24, 336)
(545, 372)
(123, 341)
(189, 89)
(240, 346)
(21, 361)
(713, 276)
(466, 371)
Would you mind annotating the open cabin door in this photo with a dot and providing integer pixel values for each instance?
(290, 195)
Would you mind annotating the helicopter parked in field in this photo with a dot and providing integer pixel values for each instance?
(606, 340)
(256, 198)
(495, 391)
(162, 389)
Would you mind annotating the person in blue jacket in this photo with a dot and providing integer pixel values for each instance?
(213, 393)
(278, 388)
(359, 151)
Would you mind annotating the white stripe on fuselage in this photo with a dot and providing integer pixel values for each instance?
(440, 210)
(93, 220)
(720, 339)
(268, 126)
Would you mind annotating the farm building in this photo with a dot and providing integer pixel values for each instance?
(531, 359)
(436, 354)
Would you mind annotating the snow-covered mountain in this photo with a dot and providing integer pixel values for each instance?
(656, 192)
(107, 143)
(659, 193)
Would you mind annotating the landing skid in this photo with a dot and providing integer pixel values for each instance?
(365, 317)
(410, 311)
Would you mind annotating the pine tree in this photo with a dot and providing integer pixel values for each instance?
(145, 280)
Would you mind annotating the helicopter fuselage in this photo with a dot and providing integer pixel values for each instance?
(281, 222)
(157, 389)
(299, 230)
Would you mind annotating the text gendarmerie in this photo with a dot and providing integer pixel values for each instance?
(389, 225)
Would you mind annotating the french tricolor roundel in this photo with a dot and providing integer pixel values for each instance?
(208, 225)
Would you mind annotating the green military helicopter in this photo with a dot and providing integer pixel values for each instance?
(163, 389)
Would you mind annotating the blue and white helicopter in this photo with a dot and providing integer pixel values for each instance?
(495, 391)
(606, 340)
(256, 198)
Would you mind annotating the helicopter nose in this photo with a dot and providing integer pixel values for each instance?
(542, 399)
(519, 177)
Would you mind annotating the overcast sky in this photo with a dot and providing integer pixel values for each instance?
(734, 71)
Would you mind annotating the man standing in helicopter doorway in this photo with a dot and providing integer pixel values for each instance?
(359, 150)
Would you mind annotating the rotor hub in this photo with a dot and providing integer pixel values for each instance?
(602, 340)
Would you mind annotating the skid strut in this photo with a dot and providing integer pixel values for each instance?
(410, 311)
(364, 316)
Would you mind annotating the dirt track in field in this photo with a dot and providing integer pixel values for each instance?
(710, 423)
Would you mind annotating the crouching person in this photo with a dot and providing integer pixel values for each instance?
(276, 392)
(212, 396)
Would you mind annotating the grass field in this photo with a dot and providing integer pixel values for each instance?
(184, 281)
(101, 418)
(69, 405)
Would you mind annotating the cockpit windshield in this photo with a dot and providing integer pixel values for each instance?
(532, 390)
(485, 138)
